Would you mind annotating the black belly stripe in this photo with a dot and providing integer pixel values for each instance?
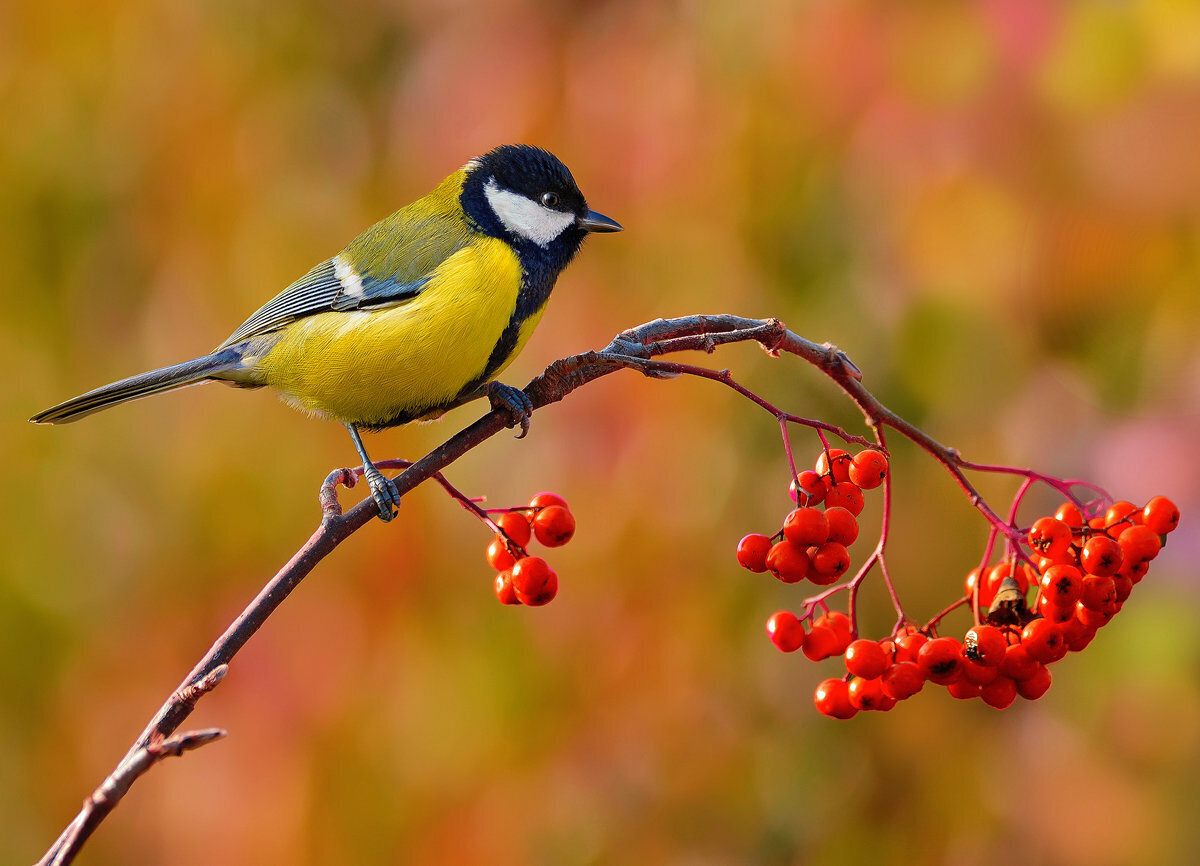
(540, 271)
(538, 282)
(500, 353)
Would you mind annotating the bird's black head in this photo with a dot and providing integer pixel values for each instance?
(525, 196)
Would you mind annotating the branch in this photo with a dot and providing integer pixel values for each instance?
(105, 798)
(636, 349)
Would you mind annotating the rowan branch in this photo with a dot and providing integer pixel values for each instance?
(634, 349)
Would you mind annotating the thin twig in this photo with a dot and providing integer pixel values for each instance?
(106, 797)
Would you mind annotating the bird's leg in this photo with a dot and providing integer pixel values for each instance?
(383, 489)
(512, 400)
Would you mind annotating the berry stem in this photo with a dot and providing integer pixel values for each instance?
(469, 503)
(787, 449)
(1014, 543)
(668, 369)
(931, 626)
(811, 603)
(1062, 485)
(885, 526)
(839, 368)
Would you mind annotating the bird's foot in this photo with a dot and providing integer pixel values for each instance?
(383, 490)
(514, 401)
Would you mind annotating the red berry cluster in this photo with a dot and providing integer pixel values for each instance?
(521, 578)
(1083, 570)
(815, 539)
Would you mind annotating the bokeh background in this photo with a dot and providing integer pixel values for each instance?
(992, 206)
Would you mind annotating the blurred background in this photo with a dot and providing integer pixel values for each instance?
(992, 206)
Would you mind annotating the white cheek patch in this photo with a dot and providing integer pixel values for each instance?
(350, 281)
(525, 217)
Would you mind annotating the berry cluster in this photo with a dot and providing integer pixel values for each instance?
(521, 578)
(1082, 563)
(816, 536)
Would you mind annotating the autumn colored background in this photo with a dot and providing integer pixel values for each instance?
(993, 207)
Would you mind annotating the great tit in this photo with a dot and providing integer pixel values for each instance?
(420, 313)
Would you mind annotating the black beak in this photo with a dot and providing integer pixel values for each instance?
(597, 222)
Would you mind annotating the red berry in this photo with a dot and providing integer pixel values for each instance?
(1101, 555)
(909, 645)
(806, 526)
(786, 631)
(752, 552)
(821, 643)
(842, 628)
(1160, 515)
(534, 582)
(902, 680)
(1018, 664)
(964, 689)
(498, 556)
(839, 460)
(1054, 612)
(845, 494)
(1122, 587)
(1019, 573)
(991, 583)
(554, 526)
(1099, 592)
(812, 488)
(1043, 640)
(866, 658)
(1062, 585)
(1070, 557)
(843, 526)
(867, 694)
(504, 588)
(516, 526)
(1070, 514)
(985, 644)
(829, 562)
(1135, 571)
(1118, 512)
(868, 468)
(1050, 536)
(1078, 634)
(977, 673)
(1138, 544)
(999, 693)
(832, 698)
(969, 584)
(545, 500)
(1037, 685)
(788, 562)
(940, 659)
(1093, 619)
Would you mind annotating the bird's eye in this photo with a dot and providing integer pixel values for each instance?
(549, 199)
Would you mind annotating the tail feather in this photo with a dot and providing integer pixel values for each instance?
(142, 385)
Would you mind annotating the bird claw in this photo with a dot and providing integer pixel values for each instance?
(514, 401)
(384, 491)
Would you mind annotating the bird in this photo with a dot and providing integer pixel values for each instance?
(418, 314)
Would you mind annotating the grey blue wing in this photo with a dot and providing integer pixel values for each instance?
(327, 287)
(403, 251)
(313, 293)
(368, 293)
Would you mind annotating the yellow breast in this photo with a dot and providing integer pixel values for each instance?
(369, 367)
